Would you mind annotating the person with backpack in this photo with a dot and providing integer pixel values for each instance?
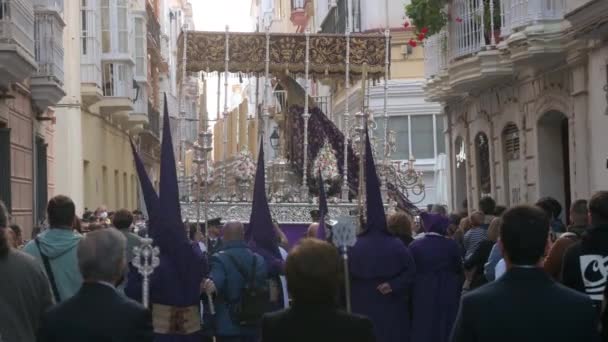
(56, 247)
(579, 216)
(238, 280)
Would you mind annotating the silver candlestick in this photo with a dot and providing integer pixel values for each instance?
(146, 267)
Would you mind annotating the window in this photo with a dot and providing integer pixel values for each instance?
(400, 125)
(5, 166)
(483, 164)
(41, 179)
(422, 136)
(123, 27)
(84, 31)
(106, 41)
(104, 184)
(439, 128)
(512, 164)
(116, 189)
(117, 80)
(140, 48)
(125, 191)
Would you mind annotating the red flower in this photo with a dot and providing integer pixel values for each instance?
(459, 19)
(406, 24)
(412, 43)
(421, 37)
(425, 30)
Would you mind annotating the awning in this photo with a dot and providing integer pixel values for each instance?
(205, 51)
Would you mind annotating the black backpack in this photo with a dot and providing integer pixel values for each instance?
(254, 300)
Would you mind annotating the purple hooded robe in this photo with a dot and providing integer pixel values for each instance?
(438, 284)
(176, 281)
(377, 258)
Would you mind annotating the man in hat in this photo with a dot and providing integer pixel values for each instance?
(215, 235)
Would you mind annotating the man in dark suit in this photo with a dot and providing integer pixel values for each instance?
(525, 304)
(313, 277)
(215, 236)
(98, 312)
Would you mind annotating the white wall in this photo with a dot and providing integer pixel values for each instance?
(598, 121)
(373, 13)
(68, 164)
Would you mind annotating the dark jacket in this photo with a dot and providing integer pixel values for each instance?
(525, 305)
(584, 265)
(25, 294)
(229, 284)
(318, 324)
(215, 246)
(97, 313)
(476, 263)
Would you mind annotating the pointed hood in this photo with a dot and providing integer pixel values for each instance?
(176, 281)
(435, 223)
(168, 187)
(321, 234)
(377, 253)
(260, 232)
(147, 189)
(376, 218)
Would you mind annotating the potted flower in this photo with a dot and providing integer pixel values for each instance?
(427, 16)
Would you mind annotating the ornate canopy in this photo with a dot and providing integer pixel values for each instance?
(205, 51)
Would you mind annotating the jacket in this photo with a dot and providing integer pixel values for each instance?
(60, 246)
(525, 305)
(555, 257)
(97, 313)
(320, 324)
(585, 265)
(24, 295)
(229, 284)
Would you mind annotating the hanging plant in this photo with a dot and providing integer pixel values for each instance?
(427, 16)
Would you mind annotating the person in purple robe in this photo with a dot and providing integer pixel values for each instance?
(439, 277)
(381, 268)
(262, 237)
(175, 283)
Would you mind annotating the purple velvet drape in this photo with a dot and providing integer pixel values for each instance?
(319, 129)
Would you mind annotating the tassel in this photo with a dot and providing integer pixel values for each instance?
(240, 78)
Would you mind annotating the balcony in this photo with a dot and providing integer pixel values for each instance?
(90, 54)
(436, 63)
(139, 115)
(487, 41)
(532, 30)
(474, 57)
(47, 83)
(335, 21)
(118, 90)
(153, 125)
(300, 11)
(17, 60)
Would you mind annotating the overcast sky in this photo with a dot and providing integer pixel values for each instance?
(214, 15)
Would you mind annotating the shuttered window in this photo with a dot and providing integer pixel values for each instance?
(41, 179)
(5, 166)
(511, 142)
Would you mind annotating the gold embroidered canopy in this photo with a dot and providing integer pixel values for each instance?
(205, 51)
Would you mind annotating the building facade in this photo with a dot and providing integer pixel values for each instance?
(31, 84)
(127, 60)
(417, 124)
(525, 100)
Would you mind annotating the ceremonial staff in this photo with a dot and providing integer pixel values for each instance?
(146, 260)
(344, 235)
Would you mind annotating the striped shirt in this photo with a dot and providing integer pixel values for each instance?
(472, 239)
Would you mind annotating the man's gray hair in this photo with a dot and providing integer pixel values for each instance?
(102, 254)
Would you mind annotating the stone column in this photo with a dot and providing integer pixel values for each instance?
(69, 169)
(578, 130)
